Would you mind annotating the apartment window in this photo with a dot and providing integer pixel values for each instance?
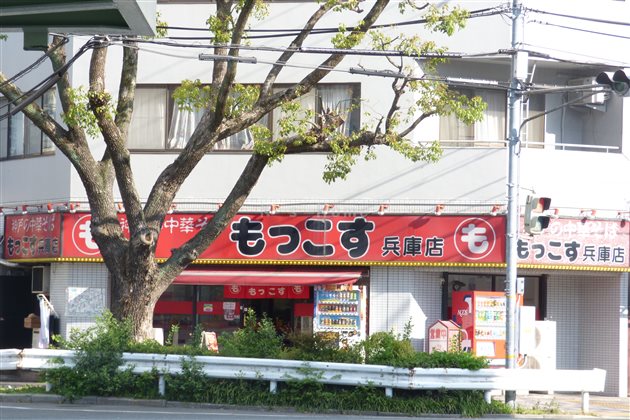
(533, 133)
(158, 124)
(489, 131)
(19, 137)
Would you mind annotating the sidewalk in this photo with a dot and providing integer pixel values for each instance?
(571, 405)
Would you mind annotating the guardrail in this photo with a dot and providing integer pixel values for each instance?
(390, 378)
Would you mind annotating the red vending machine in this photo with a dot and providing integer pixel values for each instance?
(482, 318)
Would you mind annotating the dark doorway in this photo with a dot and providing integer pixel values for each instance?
(16, 302)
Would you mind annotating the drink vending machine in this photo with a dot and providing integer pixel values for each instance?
(340, 309)
(482, 316)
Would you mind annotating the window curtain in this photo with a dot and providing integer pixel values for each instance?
(453, 131)
(4, 130)
(16, 134)
(183, 124)
(307, 102)
(337, 99)
(148, 124)
(533, 133)
(492, 127)
(50, 106)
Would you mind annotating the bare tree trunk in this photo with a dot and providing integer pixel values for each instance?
(134, 298)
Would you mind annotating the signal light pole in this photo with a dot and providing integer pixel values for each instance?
(515, 106)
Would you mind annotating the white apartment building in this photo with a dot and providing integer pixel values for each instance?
(576, 272)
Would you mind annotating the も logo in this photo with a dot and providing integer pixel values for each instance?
(82, 237)
(475, 238)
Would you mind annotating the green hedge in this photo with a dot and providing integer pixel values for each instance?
(99, 355)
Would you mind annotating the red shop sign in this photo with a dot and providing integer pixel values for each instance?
(30, 236)
(266, 292)
(578, 242)
(317, 237)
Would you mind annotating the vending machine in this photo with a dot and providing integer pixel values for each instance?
(340, 309)
(482, 316)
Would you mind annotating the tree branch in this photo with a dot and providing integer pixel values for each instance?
(189, 251)
(127, 88)
(416, 122)
(120, 158)
(170, 180)
(293, 47)
(35, 113)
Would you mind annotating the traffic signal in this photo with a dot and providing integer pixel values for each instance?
(535, 218)
(618, 81)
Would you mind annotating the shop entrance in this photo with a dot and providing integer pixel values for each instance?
(215, 299)
(16, 302)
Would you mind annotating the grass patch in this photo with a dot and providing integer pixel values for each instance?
(23, 389)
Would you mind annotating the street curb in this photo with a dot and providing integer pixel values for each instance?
(120, 401)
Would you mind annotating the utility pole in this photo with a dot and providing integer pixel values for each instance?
(515, 106)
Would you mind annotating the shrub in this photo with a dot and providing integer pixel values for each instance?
(442, 359)
(98, 358)
(385, 348)
(255, 339)
(319, 347)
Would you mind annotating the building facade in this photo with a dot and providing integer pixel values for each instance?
(576, 272)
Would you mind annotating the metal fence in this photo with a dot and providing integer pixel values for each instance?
(387, 377)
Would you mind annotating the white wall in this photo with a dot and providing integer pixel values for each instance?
(401, 295)
(577, 180)
(589, 331)
(79, 293)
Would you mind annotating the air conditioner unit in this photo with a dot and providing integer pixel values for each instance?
(40, 279)
(598, 98)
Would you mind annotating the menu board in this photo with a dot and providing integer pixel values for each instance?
(490, 318)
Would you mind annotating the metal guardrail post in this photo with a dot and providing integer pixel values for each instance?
(389, 392)
(273, 386)
(585, 402)
(161, 385)
(487, 396)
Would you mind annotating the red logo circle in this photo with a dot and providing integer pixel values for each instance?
(82, 237)
(475, 238)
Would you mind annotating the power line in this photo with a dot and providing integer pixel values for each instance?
(580, 29)
(313, 50)
(40, 88)
(279, 33)
(35, 64)
(609, 22)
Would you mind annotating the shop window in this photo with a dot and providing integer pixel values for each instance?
(158, 124)
(19, 137)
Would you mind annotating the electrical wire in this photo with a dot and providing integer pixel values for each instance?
(608, 22)
(279, 33)
(35, 64)
(603, 62)
(40, 88)
(580, 29)
(313, 50)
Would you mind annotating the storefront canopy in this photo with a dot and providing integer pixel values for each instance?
(267, 277)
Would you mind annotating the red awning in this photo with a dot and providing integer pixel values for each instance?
(266, 277)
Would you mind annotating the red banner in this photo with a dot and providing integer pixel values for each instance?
(578, 242)
(30, 236)
(317, 237)
(266, 292)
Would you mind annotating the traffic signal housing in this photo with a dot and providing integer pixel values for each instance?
(617, 81)
(535, 218)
